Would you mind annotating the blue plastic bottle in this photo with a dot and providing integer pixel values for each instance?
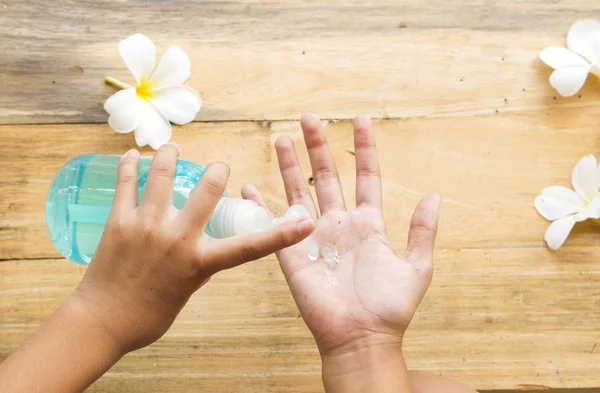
(81, 196)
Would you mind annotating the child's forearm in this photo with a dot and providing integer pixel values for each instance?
(368, 367)
(65, 355)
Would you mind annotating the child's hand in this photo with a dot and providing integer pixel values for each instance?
(152, 257)
(150, 260)
(370, 298)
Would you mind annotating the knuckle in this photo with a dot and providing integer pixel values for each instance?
(163, 169)
(324, 174)
(298, 194)
(283, 238)
(127, 178)
(422, 229)
(364, 139)
(215, 178)
(368, 172)
(147, 230)
(214, 187)
(287, 164)
(316, 140)
(214, 184)
(175, 243)
(118, 225)
(248, 253)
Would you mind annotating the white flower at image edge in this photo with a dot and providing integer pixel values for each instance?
(573, 65)
(159, 96)
(565, 207)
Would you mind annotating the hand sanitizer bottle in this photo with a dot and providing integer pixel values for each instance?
(81, 196)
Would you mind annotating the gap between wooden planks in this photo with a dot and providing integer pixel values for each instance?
(488, 169)
(500, 300)
(500, 318)
(278, 59)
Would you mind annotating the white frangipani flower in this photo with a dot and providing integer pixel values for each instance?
(582, 57)
(159, 96)
(565, 207)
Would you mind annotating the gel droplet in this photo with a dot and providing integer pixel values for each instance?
(330, 256)
(297, 211)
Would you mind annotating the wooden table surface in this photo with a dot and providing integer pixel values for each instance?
(462, 107)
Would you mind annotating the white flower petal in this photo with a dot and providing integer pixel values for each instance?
(591, 211)
(139, 54)
(558, 202)
(178, 104)
(569, 80)
(558, 231)
(124, 110)
(584, 38)
(173, 69)
(154, 129)
(584, 178)
(557, 58)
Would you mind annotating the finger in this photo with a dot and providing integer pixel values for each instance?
(158, 194)
(423, 229)
(227, 253)
(251, 193)
(327, 182)
(202, 202)
(296, 189)
(126, 191)
(368, 175)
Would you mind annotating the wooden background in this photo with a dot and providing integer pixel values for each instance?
(462, 107)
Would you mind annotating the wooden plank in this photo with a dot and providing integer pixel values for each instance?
(488, 170)
(541, 389)
(278, 59)
(518, 310)
(33, 155)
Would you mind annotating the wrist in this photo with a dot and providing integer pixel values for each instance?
(82, 317)
(374, 363)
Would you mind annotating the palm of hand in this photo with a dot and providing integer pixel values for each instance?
(372, 291)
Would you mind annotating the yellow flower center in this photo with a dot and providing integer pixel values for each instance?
(144, 90)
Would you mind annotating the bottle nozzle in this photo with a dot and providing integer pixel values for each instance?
(236, 217)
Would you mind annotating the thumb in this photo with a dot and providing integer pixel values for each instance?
(231, 252)
(423, 229)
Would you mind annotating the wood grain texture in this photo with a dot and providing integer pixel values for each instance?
(278, 59)
(464, 108)
(488, 170)
(500, 299)
(496, 318)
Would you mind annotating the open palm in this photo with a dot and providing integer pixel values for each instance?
(371, 292)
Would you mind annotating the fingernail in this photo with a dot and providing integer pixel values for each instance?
(176, 146)
(133, 153)
(305, 226)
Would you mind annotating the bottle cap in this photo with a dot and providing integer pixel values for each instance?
(236, 217)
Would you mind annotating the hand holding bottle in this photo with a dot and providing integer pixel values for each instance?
(152, 257)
